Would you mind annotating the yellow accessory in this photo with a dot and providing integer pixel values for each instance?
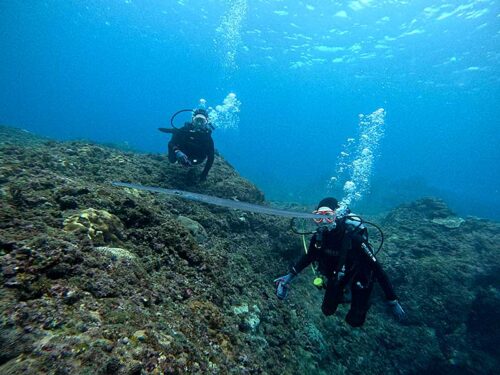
(318, 282)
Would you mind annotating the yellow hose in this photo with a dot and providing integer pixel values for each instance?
(305, 250)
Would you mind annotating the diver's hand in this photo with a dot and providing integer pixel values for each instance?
(182, 158)
(282, 285)
(397, 310)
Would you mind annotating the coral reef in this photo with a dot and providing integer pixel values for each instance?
(103, 280)
(99, 225)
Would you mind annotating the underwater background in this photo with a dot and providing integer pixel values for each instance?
(302, 72)
(391, 106)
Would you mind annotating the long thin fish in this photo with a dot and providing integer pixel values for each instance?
(220, 201)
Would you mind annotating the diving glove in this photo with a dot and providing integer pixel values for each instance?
(182, 158)
(282, 285)
(397, 310)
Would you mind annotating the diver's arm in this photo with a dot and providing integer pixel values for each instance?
(359, 235)
(283, 283)
(210, 159)
(392, 299)
(306, 259)
(385, 283)
(381, 276)
(173, 146)
(171, 152)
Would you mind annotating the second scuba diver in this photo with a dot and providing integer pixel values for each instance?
(193, 143)
(346, 263)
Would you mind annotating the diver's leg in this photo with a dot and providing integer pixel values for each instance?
(332, 298)
(360, 304)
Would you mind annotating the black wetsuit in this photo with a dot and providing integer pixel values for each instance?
(198, 145)
(341, 251)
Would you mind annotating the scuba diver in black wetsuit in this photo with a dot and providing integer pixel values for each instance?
(346, 263)
(193, 143)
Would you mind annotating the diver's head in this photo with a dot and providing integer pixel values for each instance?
(200, 119)
(329, 202)
(327, 208)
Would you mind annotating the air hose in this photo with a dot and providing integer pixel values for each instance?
(175, 115)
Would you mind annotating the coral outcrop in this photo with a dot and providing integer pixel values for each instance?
(103, 280)
(99, 225)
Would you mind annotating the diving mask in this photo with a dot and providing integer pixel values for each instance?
(327, 221)
(200, 121)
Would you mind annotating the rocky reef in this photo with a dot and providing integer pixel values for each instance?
(104, 280)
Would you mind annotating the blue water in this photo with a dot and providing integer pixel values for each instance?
(114, 71)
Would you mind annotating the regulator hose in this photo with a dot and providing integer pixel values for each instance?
(175, 115)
